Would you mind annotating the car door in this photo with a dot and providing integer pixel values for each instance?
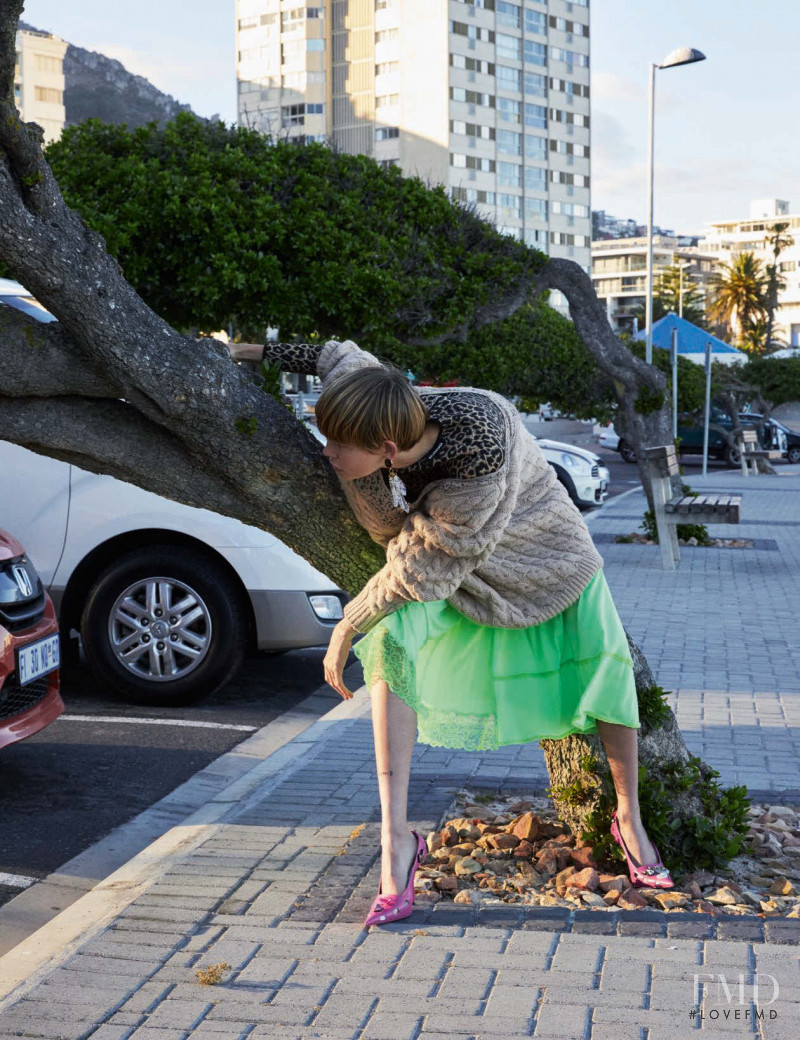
(34, 504)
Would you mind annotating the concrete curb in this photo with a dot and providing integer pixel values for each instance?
(280, 748)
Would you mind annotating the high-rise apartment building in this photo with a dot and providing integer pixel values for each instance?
(490, 98)
(39, 80)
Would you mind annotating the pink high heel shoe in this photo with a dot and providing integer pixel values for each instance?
(387, 908)
(643, 875)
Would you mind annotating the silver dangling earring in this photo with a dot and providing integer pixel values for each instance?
(397, 487)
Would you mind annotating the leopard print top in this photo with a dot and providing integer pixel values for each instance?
(471, 440)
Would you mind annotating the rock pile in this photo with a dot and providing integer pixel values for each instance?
(515, 850)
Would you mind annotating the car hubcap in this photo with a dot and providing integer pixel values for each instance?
(159, 629)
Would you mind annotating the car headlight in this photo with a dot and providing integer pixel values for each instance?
(574, 461)
(327, 608)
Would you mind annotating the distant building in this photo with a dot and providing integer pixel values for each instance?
(728, 239)
(605, 226)
(39, 80)
(489, 98)
(619, 272)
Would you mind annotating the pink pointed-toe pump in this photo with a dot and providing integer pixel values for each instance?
(643, 875)
(387, 908)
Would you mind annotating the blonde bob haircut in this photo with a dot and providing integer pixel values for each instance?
(371, 405)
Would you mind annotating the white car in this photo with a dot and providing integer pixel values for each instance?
(166, 598)
(607, 437)
(580, 471)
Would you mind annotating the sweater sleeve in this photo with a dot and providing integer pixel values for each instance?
(436, 548)
(326, 360)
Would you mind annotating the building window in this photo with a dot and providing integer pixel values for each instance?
(536, 237)
(509, 174)
(509, 47)
(509, 142)
(472, 195)
(508, 14)
(387, 68)
(292, 19)
(461, 61)
(49, 94)
(485, 5)
(458, 126)
(535, 53)
(47, 63)
(561, 238)
(535, 115)
(535, 178)
(535, 147)
(569, 57)
(536, 209)
(382, 5)
(568, 87)
(472, 162)
(509, 79)
(511, 203)
(387, 99)
(565, 25)
(315, 45)
(472, 97)
(570, 209)
(269, 19)
(294, 80)
(386, 35)
(535, 84)
(293, 115)
(536, 22)
(315, 12)
(570, 148)
(557, 115)
(508, 109)
(472, 32)
(244, 23)
(386, 133)
(577, 180)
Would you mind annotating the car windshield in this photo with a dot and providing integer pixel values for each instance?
(28, 306)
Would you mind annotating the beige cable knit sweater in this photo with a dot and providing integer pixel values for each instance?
(506, 547)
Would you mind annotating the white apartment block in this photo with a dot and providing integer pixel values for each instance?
(39, 81)
(619, 272)
(727, 239)
(490, 98)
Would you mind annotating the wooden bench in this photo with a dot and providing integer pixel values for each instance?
(671, 510)
(751, 451)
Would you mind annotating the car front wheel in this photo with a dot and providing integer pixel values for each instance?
(627, 452)
(793, 455)
(732, 455)
(164, 625)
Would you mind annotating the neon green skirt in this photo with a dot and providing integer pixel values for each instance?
(479, 686)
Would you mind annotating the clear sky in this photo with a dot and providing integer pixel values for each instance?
(725, 128)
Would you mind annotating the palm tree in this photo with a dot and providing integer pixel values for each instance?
(671, 293)
(739, 295)
(778, 241)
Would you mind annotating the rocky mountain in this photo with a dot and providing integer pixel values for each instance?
(97, 87)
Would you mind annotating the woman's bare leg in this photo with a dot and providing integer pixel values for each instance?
(394, 726)
(621, 747)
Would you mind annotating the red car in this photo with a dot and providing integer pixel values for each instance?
(29, 647)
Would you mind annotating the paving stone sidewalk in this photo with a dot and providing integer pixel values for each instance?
(280, 890)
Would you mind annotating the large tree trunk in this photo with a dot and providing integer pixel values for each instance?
(111, 386)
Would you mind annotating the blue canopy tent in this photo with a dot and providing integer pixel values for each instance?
(692, 341)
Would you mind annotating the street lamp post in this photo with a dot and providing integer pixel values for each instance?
(681, 56)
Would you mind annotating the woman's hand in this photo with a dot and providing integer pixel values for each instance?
(246, 351)
(338, 649)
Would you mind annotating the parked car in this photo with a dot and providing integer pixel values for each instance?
(166, 598)
(29, 647)
(774, 436)
(792, 451)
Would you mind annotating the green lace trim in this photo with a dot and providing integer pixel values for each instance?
(383, 658)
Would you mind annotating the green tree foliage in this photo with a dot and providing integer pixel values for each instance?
(777, 378)
(214, 224)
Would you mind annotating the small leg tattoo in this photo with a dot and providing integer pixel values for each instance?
(387, 772)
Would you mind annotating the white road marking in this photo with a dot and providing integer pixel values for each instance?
(155, 722)
(16, 880)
